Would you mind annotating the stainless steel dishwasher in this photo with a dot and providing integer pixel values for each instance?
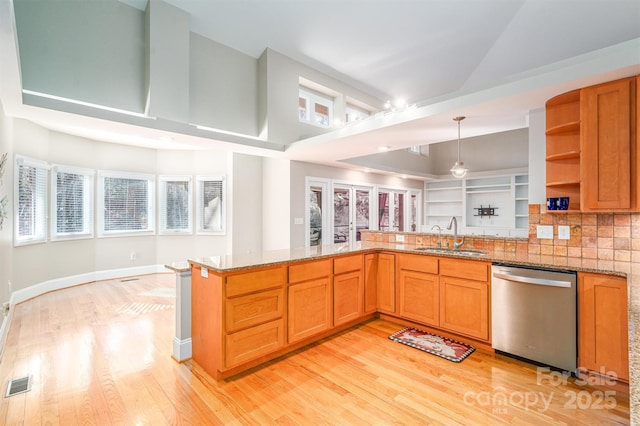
(533, 315)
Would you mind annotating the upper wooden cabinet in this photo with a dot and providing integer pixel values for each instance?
(592, 140)
(608, 144)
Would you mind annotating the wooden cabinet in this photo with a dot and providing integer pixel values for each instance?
(592, 147)
(609, 169)
(464, 297)
(348, 289)
(603, 344)
(418, 288)
(310, 302)
(254, 312)
(386, 288)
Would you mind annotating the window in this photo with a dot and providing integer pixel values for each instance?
(125, 203)
(71, 202)
(354, 113)
(211, 205)
(175, 205)
(31, 180)
(315, 109)
(391, 209)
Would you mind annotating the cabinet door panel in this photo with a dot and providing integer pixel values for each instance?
(606, 146)
(253, 342)
(245, 311)
(370, 283)
(419, 297)
(464, 307)
(386, 283)
(602, 324)
(249, 282)
(348, 297)
(310, 307)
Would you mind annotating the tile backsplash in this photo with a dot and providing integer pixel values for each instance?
(608, 241)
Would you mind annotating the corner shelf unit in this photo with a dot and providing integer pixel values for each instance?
(563, 148)
(462, 198)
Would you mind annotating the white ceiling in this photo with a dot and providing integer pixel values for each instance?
(491, 60)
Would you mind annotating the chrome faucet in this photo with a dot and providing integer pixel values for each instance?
(456, 243)
(439, 242)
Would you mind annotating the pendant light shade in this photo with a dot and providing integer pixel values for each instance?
(458, 170)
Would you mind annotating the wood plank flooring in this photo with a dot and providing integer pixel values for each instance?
(100, 354)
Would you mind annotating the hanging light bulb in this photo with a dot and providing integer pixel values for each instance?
(458, 170)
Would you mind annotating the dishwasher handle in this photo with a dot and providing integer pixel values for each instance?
(531, 280)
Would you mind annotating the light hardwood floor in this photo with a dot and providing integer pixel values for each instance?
(101, 354)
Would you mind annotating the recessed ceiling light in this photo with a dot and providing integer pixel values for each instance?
(384, 148)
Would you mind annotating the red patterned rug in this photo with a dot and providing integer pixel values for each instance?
(436, 345)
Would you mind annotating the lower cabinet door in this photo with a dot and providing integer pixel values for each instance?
(310, 309)
(253, 342)
(603, 334)
(419, 297)
(348, 297)
(464, 307)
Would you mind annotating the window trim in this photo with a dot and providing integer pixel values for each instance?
(151, 210)
(41, 236)
(312, 100)
(88, 231)
(200, 230)
(162, 204)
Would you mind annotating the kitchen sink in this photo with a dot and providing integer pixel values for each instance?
(461, 252)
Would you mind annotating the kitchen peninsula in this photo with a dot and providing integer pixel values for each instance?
(251, 308)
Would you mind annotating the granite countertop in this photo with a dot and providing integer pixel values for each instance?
(230, 263)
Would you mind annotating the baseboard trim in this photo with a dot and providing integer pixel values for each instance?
(181, 349)
(4, 330)
(73, 280)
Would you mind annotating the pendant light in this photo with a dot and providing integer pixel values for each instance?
(458, 170)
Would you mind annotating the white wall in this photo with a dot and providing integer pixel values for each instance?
(245, 218)
(537, 154)
(36, 263)
(276, 221)
(6, 240)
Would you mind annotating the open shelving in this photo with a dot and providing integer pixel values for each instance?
(563, 148)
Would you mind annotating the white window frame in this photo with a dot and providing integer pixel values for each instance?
(200, 205)
(40, 222)
(162, 203)
(312, 100)
(87, 203)
(151, 214)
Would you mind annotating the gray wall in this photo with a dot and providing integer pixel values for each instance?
(300, 170)
(6, 185)
(89, 51)
(498, 151)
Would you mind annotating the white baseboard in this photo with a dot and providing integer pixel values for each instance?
(4, 330)
(73, 280)
(61, 283)
(181, 349)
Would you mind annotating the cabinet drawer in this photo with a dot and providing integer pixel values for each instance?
(419, 263)
(309, 270)
(253, 342)
(467, 269)
(255, 281)
(347, 264)
(246, 311)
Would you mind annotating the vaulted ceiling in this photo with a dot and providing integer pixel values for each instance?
(493, 60)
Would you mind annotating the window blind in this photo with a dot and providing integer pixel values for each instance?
(211, 211)
(175, 204)
(127, 203)
(31, 203)
(72, 197)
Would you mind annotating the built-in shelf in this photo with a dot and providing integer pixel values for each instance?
(572, 126)
(563, 156)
